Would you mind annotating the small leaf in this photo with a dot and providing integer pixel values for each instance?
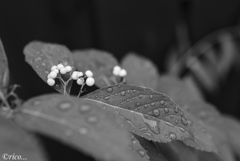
(42, 56)
(140, 71)
(154, 115)
(99, 62)
(14, 140)
(4, 71)
(86, 125)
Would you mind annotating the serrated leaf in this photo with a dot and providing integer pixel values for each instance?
(84, 124)
(154, 115)
(4, 71)
(42, 56)
(214, 122)
(14, 140)
(140, 71)
(99, 62)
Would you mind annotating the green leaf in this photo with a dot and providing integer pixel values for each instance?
(42, 56)
(154, 115)
(84, 124)
(99, 62)
(140, 71)
(4, 71)
(14, 140)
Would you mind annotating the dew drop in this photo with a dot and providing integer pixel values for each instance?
(172, 136)
(184, 121)
(65, 106)
(176, 121)
(156, 112)
(153, 104)
(148, 134)
(189, 122)
(84, 108)
(123, 93)
(134, 141)
(116, 94)
(83, 131)
(176, 109)
(169, 124)
(134, 91)
(128, 100)
(106, 98)
(171, 116)
(141, 153)
(166, 110)
(133, 98)
(182, 129)
(140, 96)
(151, 96)
(128, 91)
(166, 136)
(162, 102)
(145, 106)
(109, 90)
(36, 103)
(152, 125)
(92, 119)
(138, 104)
(144, 129)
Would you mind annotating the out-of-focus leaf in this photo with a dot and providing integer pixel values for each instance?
(84, 124)
(140, 71)
(42, 56)
(99, 62)
(220, 130)
(14, 140)
(4, 71)
(154, 115)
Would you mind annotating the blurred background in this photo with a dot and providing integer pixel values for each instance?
(186, 38)
(162, 31)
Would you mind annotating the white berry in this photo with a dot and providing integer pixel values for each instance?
(80, 81)
(50, 82)
(122, 73)
(79, 74)
(68, 68)
(74, 75)
(89, 73)
(90, 81)
(56, 71)
(60, 66)
(53, 67)
(52, 75)
(116, 70)
(63, 70)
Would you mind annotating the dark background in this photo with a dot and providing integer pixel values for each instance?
(146, 27)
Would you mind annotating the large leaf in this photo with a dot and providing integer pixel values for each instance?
(225, 131)
(42, 56)
(14, 140)
(87, 125)
(140, 71)
(154, 115)
(4, 71)
(99, 62)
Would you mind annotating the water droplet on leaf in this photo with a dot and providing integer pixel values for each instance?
(123, 93)
(166, 110)
(156, 112)
(65, 106)
(141, 153)
(84, 108)
(151, 96)
(109, 90)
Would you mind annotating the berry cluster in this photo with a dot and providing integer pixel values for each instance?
(80, 77)
(118, 71)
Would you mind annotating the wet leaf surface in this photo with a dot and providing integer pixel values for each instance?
(4, 71)
(14, 140)
(99, 62)
(84, 124)
(140, 71)
(154, 115)
(224, 131)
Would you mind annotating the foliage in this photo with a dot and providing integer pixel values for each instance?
(143, 116)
